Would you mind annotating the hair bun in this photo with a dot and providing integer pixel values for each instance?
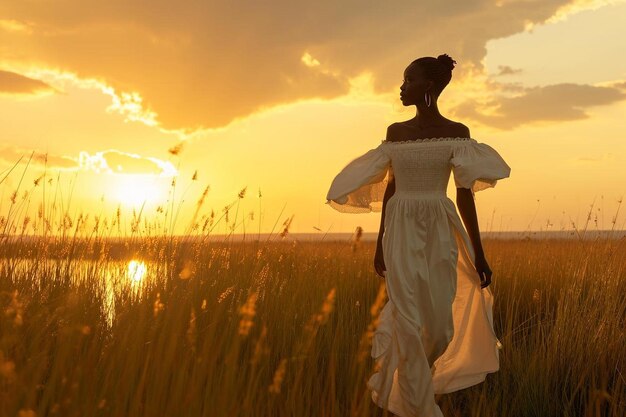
(446, 61)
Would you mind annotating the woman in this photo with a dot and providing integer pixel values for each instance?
(435, 333)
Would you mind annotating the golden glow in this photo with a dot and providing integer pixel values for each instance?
(136, 270)
(108, 129)
(135, 190)
(11, 25)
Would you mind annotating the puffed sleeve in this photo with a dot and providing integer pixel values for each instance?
(360, 186)
(477, 166)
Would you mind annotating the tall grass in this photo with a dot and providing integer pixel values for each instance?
(280, 327)
(560, 309)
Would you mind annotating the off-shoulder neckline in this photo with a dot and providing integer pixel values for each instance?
(437, 139)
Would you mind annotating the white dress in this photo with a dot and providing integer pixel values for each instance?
(435, 333)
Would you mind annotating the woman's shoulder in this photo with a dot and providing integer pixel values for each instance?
(401, 131)
(462, 130)
(393, 132)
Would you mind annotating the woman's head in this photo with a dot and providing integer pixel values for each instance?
(426, 75)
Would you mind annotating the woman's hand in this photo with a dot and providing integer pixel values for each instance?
(379, 261)
(484, 272)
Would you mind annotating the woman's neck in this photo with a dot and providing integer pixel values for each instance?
(428, 116)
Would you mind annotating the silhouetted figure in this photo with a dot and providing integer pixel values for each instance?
(435, 333)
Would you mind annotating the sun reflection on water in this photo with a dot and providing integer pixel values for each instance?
(136, 270)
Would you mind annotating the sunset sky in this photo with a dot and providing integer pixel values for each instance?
(279, 96)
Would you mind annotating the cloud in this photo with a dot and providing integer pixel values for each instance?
(199, 64)
(620, 85)
(13, 83)
(113, 161)
(14, 26)
(559, 102)
(109, 161)
(12, 154)
(507, 70)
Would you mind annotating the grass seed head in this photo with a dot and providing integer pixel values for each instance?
(15, 309)
(279, 375)
(225, 294)
(192, 333)
(7, 368)
(175, 150)
(327, 307)
(158, 305)
(247, 312)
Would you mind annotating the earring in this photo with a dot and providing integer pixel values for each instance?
(427, 99)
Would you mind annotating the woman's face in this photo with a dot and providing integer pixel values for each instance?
(414, 85)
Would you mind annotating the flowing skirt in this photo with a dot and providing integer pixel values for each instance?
(435, 333)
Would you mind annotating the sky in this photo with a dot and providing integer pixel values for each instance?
(183, 109)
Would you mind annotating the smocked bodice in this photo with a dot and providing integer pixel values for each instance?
(421, 166)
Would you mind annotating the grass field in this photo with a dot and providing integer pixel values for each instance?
(281, 328)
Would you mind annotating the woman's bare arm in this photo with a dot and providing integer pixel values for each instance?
(379, 259)
(389, 191)
(467, 209)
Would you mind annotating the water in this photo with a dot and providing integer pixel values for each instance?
(105, 279)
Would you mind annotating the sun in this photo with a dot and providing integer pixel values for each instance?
(135, 190)
(136, 270)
